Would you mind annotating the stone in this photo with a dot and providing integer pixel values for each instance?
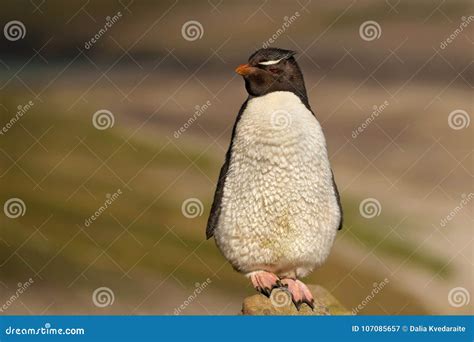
(280, 303)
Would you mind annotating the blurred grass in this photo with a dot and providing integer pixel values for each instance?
(149, 225)
(377, 235)
(157, 250)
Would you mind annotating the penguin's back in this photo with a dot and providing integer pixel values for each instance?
(279, 210)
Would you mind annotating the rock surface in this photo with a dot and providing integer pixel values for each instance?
(280, 303)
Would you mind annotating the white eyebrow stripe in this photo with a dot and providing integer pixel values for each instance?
(271, 62)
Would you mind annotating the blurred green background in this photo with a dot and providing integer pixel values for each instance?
(152, 80)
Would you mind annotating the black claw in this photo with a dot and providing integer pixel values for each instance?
(265, 291)
(298, 304)
(274, 286)
(310, 303)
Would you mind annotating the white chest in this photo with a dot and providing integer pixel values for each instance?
(278, 203)
(277, 134)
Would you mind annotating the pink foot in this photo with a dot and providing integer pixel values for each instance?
(299, 292)
(264, 281)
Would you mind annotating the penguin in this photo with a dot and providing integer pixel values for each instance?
(276, 208)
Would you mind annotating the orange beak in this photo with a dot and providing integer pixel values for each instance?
(243, 69)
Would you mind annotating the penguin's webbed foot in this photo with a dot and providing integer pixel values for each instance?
(299, 292)
(264, 281)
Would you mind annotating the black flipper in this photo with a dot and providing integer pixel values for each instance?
(216, 204)
(336, 191)
(338, 199)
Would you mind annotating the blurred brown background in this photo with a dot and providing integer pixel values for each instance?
(160, 77)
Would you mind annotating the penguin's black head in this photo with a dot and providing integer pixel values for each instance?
(270, 70)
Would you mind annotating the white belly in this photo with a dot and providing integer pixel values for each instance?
(278, 211)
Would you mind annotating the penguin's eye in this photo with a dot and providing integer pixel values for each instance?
(271, 62)
(274, 70)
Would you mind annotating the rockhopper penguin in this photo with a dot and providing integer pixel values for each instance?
(276, 208)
